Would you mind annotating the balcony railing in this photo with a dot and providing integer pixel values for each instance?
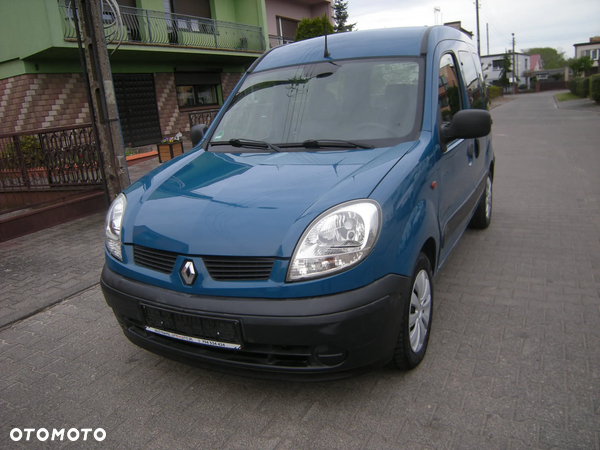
(206, 117)
(143, 26)
(276, 41)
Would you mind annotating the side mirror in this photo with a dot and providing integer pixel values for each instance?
(468, 124)
(197, 133)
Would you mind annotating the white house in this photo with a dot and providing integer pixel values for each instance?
(591, 49)
(492, 68)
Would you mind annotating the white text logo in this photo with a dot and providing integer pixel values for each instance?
(42, 434)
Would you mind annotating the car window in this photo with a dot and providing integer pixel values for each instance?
(472, 81)
(449, 100)
(368, 100)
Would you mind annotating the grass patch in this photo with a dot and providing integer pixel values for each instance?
(566, 96)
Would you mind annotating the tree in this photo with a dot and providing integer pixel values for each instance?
(504, 70)
(340, 16)
(309, 28)
(581, 65)
(552, 58)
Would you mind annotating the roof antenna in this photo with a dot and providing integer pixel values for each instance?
(326, 54)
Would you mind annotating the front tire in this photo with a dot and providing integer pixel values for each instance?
(416, 317)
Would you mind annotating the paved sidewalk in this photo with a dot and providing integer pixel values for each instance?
(582, 104)
(41, 269)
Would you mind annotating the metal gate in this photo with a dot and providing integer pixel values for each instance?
(138, 111)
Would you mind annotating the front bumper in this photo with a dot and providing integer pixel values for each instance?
(319, 337)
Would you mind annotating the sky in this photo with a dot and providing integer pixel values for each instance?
(535, 23)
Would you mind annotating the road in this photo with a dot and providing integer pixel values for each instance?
(513, 360)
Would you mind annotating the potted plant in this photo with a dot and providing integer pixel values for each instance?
(169, 148)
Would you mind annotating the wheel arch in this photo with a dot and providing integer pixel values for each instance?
(429, 249)
(420, 234)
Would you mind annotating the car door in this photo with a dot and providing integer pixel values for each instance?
(456, 172)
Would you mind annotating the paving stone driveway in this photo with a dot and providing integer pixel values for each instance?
(513, 362)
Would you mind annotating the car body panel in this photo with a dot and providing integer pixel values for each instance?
(257, 203)
(230, 214)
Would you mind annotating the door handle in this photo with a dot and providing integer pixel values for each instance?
(470, 150)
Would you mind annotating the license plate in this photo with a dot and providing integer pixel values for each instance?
(192, 328)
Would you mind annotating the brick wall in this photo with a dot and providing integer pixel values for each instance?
(34, 101)
(228, 82)
(172, 120)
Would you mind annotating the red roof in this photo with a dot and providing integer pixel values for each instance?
(536, 62)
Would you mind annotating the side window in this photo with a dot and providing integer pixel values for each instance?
(472, 81)
(448, 91)
(482, 84)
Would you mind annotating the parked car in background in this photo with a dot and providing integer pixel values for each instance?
(302, 235)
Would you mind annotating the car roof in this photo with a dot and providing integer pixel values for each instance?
(385, 42)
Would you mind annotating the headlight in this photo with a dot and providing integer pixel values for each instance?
(114, 220)
(336, 240)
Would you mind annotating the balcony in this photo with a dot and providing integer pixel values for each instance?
(145, 27)
(276, 41)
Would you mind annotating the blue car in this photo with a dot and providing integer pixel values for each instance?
(301, 236)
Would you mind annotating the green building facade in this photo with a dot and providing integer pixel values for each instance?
(172, 58)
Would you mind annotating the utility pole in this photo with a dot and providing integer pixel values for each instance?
(487, 38)
(103, 110)
(478, 35)
(437, 15)
(514, 67)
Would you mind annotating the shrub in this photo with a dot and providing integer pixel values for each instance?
(582, 87)
(573, 86)
(595, 88)
(309, 28)
(31, 150)
(493, 92)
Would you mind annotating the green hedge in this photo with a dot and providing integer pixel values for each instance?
(595, 88)
(493, 92)
(580, 87)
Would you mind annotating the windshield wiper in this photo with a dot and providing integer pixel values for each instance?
(330, 143)
(248, 143)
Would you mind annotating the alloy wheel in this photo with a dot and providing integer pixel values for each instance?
(420, 311)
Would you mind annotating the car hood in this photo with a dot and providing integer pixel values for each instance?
(247, 204)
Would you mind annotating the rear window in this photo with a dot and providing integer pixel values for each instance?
(374, 101)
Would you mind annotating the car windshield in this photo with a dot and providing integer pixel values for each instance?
(367, 102)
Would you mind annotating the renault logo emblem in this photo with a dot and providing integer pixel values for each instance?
(188, 272)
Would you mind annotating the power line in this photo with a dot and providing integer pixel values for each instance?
(504, 37)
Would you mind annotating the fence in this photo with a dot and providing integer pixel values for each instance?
(42, 165)
(162, 28)
(206, 117)
(542, 86)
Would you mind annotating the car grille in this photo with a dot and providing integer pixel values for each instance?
(158, 260)
(219, 268)
(238, 269)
